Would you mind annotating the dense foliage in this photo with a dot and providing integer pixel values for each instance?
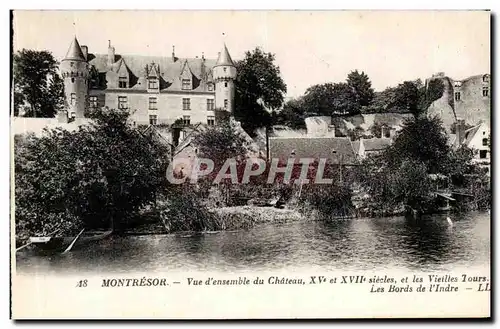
(38, 88)
(419, 163)
(96, 176)
(259, 89)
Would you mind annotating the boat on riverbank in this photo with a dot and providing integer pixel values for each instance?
(62, 243)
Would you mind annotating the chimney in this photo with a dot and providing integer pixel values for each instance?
(111, 54)
(85, 51)
(62, 116)
(460, 131)
(331, 130)
(391, 133)
(173, 53)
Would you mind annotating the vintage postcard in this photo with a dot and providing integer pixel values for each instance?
(250, 164)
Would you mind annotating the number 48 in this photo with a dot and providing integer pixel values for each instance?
(81, 284)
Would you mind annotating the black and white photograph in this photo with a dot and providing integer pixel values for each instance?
(250, 164)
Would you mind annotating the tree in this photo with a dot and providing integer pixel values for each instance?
(408, 98)
(37, 83)
(259, 87)
(422, 139)
(100, 174)
(292, 115)
(219, 143)
(329, 99)
(361, 87)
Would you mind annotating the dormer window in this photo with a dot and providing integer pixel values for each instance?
(122, 82)
(186, 84)
(153, 83)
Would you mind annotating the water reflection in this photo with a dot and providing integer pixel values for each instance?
(365, 244)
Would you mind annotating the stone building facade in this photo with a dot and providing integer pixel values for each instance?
(156, 90)
(472, 99)
(468, 99)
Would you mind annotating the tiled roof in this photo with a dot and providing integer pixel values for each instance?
(170, 70)
(332, 148)
(376, 144)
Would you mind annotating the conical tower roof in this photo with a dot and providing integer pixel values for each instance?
(75, 52)
(224, 58)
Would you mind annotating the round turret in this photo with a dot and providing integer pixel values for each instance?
(224, 74)
(75, 73)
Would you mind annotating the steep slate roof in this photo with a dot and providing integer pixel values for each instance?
(313, 147)
(376, 144)
(224, 58)
(170, 71)
(75, 51)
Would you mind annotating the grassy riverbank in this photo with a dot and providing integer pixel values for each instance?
(220, 219)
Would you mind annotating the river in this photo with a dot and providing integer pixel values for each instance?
(359, 244)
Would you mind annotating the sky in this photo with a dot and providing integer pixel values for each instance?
(311, 47)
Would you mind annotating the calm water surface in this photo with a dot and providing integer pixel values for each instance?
(360, 244)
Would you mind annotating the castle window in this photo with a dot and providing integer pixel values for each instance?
(210, 87)
(122, 82)
(211, 120)
(122, 102)
(186, 104)
(485, 141)
(225, 103)
(72, 80)
(186, 84)
(72, 100)
(93, 102)
(71, 64)
(486, 78)
(483, 154)
(486, 91)
(210, 104)
(225, 69)
(153, 119)
(457, 96)
(186, 119)
(225, 84)
(153, 103)
(153, 83)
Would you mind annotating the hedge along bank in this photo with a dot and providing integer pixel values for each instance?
(250, 170)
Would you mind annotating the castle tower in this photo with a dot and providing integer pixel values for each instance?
(75, 72)
(224, 74)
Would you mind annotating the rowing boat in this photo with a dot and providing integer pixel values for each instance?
(62, 242)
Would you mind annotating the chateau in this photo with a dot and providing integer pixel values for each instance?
(156, 90)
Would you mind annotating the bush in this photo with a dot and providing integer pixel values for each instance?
(94, 177)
